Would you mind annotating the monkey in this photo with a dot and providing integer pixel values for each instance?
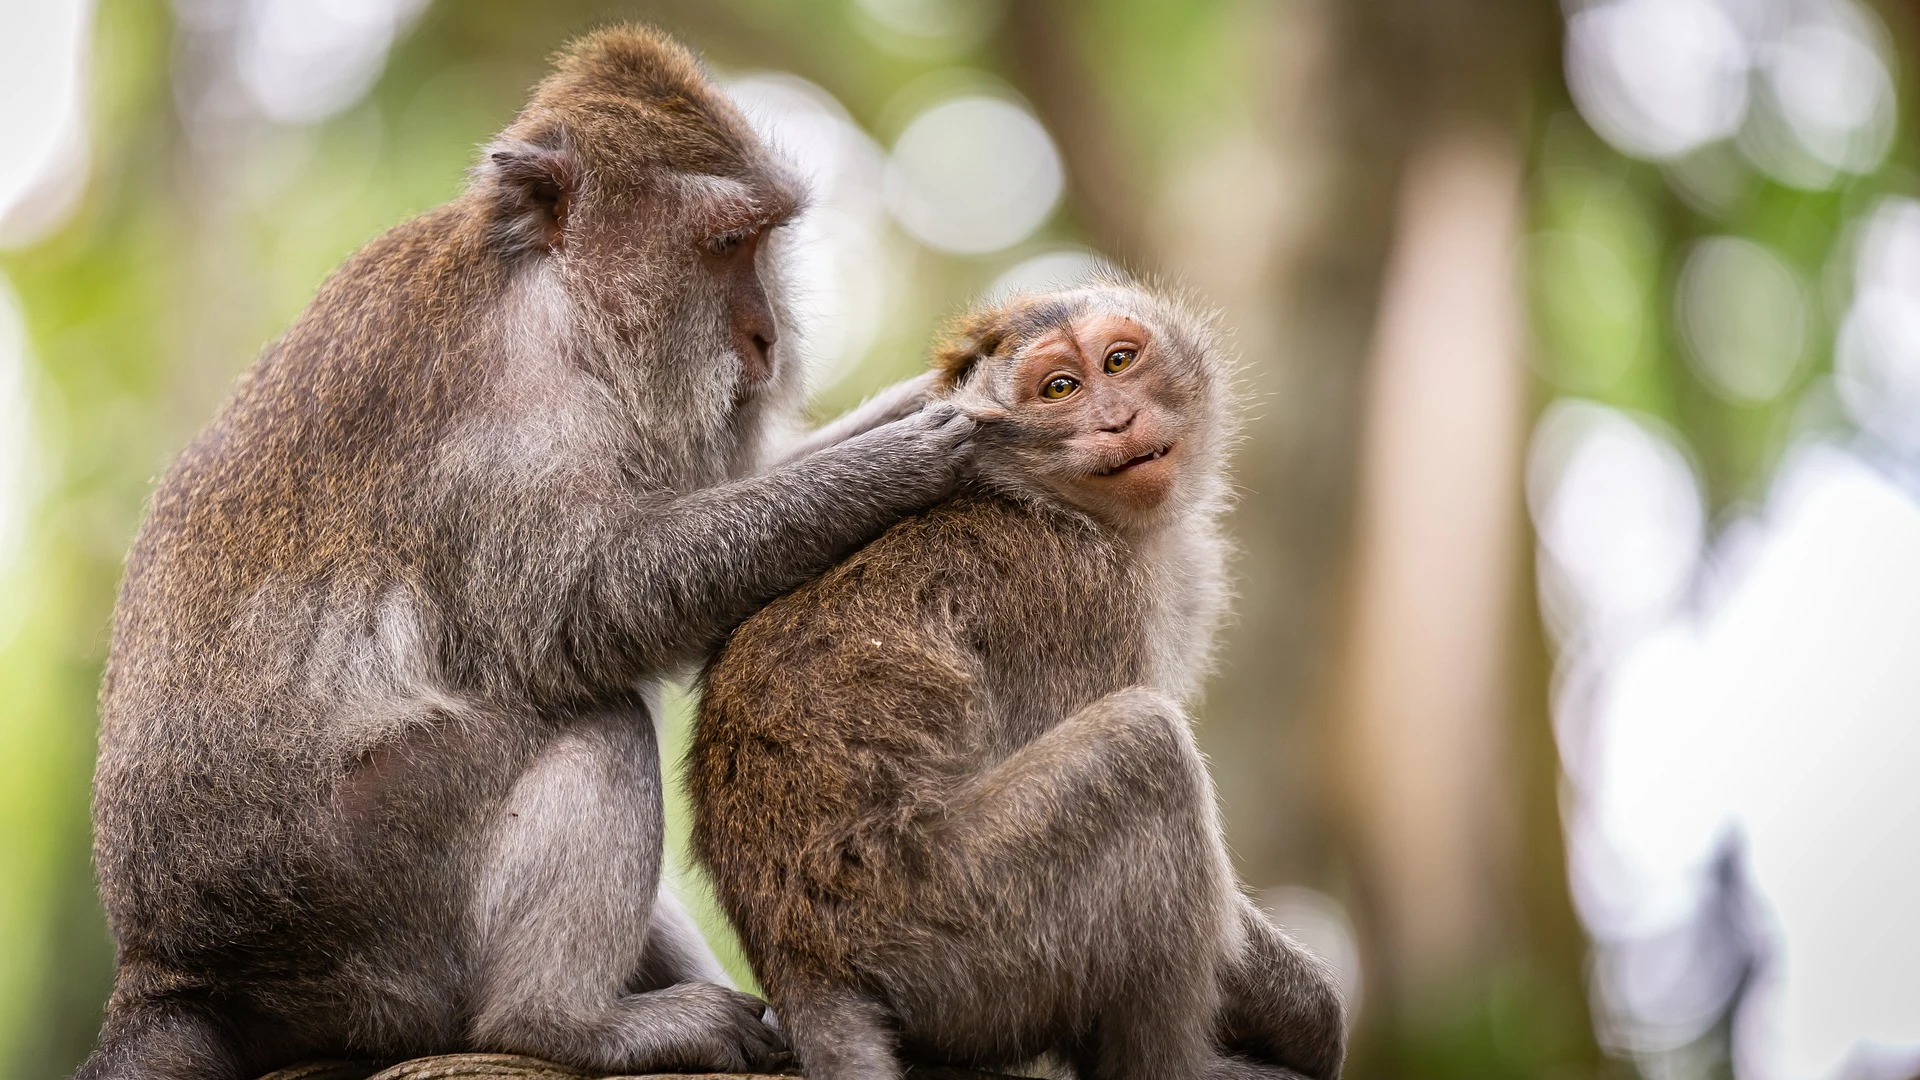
(947, 792)
(378, 774)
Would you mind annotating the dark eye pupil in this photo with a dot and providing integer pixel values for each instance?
(1119, 359)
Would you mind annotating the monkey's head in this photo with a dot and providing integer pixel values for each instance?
(631, 193)
(1111, 397)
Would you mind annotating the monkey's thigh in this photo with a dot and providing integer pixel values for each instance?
(573, 966)
(571, 864)
(1081, 882)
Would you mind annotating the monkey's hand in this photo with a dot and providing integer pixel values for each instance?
(943, 432)
(923, 456)
(710, 1028)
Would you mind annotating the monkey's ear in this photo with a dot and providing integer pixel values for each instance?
(971, 340)
(534, 186)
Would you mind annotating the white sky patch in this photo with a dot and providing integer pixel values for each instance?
(1813, 669)
(43, 47)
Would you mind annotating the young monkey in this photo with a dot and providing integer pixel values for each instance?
(948, 792)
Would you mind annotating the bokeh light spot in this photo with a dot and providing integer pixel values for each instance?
(305, 60)
(44, 167)
(972, 175)
(1062, 268)
(1657, 78)
(1877, 357)
(839, 265)
(1743, 315)
(1618, 513)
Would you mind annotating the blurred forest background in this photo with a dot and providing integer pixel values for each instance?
(1573, 704)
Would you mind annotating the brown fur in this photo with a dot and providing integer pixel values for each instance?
(377, 769)
(938, 790)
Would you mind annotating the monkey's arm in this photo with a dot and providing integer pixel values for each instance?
(679, 576)
(885, 406)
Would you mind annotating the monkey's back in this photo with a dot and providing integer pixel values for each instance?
(837, 720)
(284, 534)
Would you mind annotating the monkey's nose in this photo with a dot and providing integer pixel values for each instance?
(756, 353)
(753, 330)
(1121, 425)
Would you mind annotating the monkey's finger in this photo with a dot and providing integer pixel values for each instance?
(764, 1035)
(946, 422)
(756, 1020)
(777, 1034)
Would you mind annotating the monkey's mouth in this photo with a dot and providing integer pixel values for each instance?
(1136, 462)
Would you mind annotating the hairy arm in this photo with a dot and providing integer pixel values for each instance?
(901, 399)
(670, 582)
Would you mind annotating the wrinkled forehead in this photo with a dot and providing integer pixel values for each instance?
(1052, 318)
(696, 143)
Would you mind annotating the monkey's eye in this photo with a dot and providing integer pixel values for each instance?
(727, 243)
(1120, 360)
(1058, 387)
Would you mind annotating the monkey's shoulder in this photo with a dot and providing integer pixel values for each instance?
(995, 541)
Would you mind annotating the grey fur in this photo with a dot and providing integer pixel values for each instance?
(378, 774)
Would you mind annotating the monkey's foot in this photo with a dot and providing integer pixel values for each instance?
(515, 1067)
(460, 1067)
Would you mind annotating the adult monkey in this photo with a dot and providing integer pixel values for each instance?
(378, 774)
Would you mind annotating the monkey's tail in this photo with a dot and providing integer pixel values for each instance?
(164, 1040)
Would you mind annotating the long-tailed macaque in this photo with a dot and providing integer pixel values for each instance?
(378, 774)
(947, 791)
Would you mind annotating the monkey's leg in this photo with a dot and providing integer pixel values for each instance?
(839, 1035)
(1279, 1002)
(573, 863)
(1094, 855)
(675, 952)
(164, 1041)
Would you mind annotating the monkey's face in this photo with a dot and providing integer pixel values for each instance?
(640, 189)
(681, 281)
(1100, 407)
